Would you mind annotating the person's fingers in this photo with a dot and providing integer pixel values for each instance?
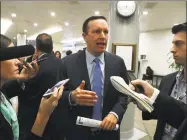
(131, 87)
(110, 125)
(35, 66)
(82, 85)
(138, 82)
(53, 97)
(103, 124)
(87, 97)
(60, 91)
(87, 101)
(29, 67)
(92, 93)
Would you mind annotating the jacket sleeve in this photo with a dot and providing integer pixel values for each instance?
(121, 106)
(166, 106)
(148, 116)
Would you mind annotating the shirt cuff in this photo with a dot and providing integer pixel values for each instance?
(70, 101)
(154, 96)
(114, 114)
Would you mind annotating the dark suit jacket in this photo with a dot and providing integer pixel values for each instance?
(75, 68)
(30, 97)
(166, 87)
(172, 112)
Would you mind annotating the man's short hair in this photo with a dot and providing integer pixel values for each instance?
(44, 43)
(85, 24)
(179, 28)
(68, 52)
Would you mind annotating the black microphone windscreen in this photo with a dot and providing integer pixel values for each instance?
(16, 52)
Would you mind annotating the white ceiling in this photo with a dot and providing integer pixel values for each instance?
(161, 15)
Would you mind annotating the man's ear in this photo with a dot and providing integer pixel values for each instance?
(84, 36)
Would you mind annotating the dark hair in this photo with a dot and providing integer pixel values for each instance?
(85, 24)
(179, 28)
(5, 41)
(58, 52)
(68, 52)
(44, 43)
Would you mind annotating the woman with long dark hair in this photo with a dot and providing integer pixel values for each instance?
(9, 128)
(58, 54)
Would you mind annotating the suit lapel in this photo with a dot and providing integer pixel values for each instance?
(44, 56)
(82, 69)
(171, 82)
(107, 73)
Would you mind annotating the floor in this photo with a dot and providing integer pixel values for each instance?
(146, 126)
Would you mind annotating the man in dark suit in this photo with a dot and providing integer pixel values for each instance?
(89, 92)
(173, 84)
(47, 77)
(167, 109)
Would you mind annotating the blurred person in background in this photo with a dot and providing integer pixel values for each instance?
(68, 52)
(57, 54)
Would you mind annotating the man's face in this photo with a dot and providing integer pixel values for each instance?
(179, 48)
(97, 36)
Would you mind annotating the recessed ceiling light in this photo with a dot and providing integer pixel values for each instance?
(25, 31)
(66, 23)
(96, 12)
(13, 15)
(50, 31)
(14, 37)
(53, 14)
(35, 24)
(145, 12)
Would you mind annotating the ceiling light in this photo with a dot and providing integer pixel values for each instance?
(53, 14)
(13, 15)
(72, 40)
(25, 31)
(145, 12)
(14, 37)
(50, 31)
(5, 24)
(35, 24)
(66, 23)
(96, 12)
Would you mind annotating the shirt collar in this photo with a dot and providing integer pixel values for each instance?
(90, 57)
(41, 55)
(180, 75)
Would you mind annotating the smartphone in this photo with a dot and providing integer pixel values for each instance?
(39, 61)
(50, 91)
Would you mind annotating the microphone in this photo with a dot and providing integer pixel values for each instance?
(16, 52)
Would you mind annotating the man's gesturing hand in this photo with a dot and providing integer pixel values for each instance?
(83, 97)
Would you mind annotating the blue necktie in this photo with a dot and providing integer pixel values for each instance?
(97, 87)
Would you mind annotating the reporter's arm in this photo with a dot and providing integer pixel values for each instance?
(166, 106)
(46, 108)
(39, 124)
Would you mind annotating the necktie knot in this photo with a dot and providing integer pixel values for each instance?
(96, 60)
